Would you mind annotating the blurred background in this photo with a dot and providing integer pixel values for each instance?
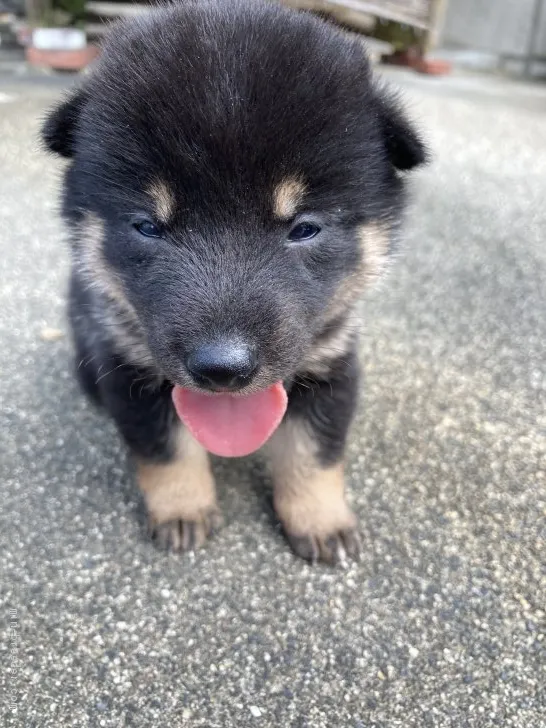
(442, 623)
(481, 34)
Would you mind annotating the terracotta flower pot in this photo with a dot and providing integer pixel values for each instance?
(66, 60)
(433, 66)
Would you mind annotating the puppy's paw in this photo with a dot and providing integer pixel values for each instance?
(317, 521)
(180, 534)
(333, 548)
(181, 498)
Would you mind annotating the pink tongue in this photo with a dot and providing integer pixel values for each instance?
(229, 425)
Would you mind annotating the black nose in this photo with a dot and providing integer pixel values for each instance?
(222, 365)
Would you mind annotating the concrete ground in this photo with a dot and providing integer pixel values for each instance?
(442, 623)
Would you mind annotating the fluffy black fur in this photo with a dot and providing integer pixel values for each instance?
(221, 102)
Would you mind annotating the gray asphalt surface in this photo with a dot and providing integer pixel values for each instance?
(443, 621)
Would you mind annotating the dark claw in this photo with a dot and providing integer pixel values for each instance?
(304, 546)
(187, 532)
(331, 552)
(181, 535)
(352, 543)
(333, 549)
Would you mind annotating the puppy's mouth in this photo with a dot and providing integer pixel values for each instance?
(228, 424)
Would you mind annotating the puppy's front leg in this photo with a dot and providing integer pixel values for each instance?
(180, 495)
(173, 470)
(306, 458)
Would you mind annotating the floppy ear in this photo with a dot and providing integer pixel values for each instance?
(58, 128)
(405, 148)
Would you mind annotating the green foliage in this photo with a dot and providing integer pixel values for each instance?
(400, 36)
(61, 13)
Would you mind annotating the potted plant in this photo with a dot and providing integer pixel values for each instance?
(57, 38)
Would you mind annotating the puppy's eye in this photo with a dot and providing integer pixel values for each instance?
(148, 229)
(303, 231)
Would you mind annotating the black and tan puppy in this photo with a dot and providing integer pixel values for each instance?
(234, 183)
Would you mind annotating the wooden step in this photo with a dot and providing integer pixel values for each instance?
(115, 10)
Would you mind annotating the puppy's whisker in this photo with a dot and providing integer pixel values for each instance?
(110, 371)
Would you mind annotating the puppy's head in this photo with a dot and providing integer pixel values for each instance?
(234, 177)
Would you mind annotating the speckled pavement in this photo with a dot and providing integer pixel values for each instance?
(442, 623)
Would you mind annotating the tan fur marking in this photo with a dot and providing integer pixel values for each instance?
(182, 489)
(374, 244)
(374, 241)
(121, 319)
(92, 264)
(337, 344)
(163, 199)
(286, 197)
(309, 500)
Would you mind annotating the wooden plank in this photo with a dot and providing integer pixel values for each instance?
(436, 24)
(115, 10)
(415, 13)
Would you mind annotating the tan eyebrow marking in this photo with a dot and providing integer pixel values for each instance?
(164, 200)
(287, 195)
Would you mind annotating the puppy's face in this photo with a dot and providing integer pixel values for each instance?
(233, 184)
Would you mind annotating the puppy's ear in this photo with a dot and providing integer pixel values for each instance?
(405, 148)
(59, 126)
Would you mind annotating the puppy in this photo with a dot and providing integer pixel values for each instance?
(233, 185)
